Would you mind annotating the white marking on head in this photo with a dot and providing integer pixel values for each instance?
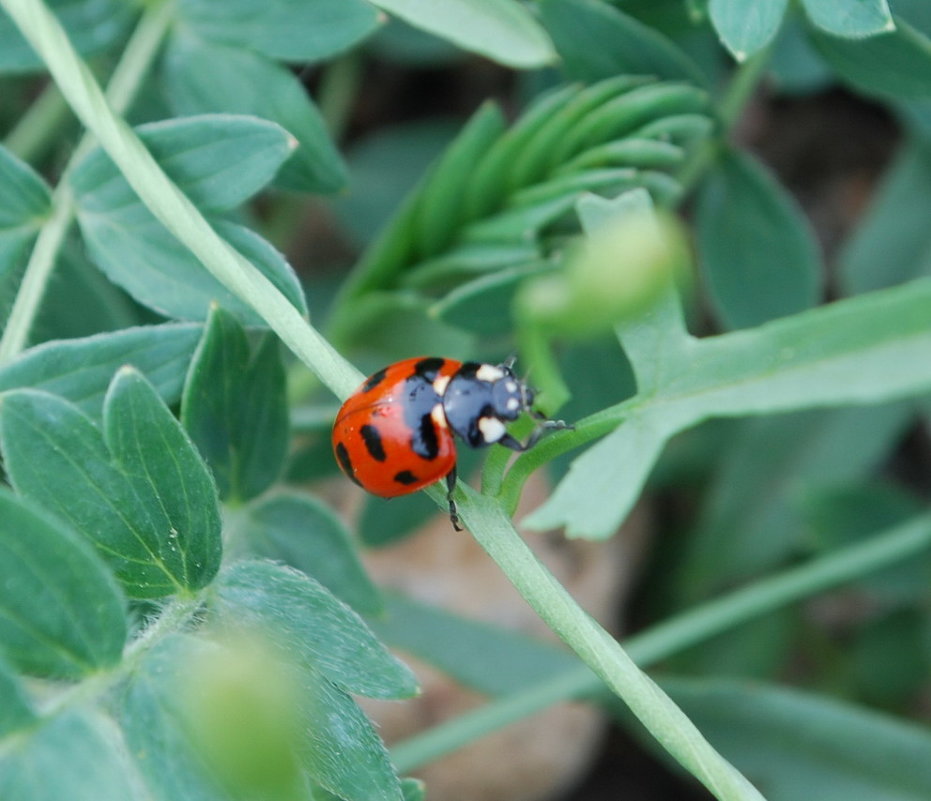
(492, 428)
(511, 386)
(489, 372)
(439, 416)
(513, 404)
(440, 383)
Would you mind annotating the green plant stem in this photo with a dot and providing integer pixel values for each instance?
(338, 88)
(38, 125)
(682, 631)
(739, 91)
(172, 618)
(493, 530)
(127, 77)
(169, 204)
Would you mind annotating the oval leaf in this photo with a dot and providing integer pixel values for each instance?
(896, 64)
(77, 755)
(312, 623)
(757, 249)
(202, 77)
(597, 40)
(218, 160)
(300, 531)
(234, 408)
(80, 370)
(502, 30)
(852, 19)
(61, 614)
(892, 243)
(287, 30)
(164, 468)
(745, 28)
(161, 273)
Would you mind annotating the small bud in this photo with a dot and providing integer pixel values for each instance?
(614, 274)
(242, 702)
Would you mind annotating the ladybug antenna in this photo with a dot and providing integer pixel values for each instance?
(508, 363)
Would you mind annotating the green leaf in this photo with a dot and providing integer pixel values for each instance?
(344, 753)
(487, 658)
(158, 271)
(204, 77)
(58, 457)
(81, 302)
(80, 370)
(313, 625)
(799, 745)
(218, 161)
(795, 66)
(300, 531)
(92, 25)
(868, 349)
(25, 202)
(164, 468)
(597, 40)
(78, 755)
(745, 28)
(61, 614)
(234, 407)
(441, 204)
(757, 249)
(25, 199)
(15, 708)
(614, 470)
(285, 30)
(891, 65)
(752, 518)
(502, 30)
(892, 242)
(851, 19)
(840, 515)
(151, 709)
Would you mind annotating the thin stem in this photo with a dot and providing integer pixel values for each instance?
(127, 77)
(493, 530)
(674, 635)
(338, 88)
(38, 125)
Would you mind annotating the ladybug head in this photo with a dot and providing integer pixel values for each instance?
(509, 395)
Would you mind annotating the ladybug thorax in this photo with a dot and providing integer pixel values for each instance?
(479, 398)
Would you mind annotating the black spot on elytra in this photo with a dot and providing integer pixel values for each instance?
(405, 477)
(429, 368)
(373, 444)
(342, 455)
(424, 442)
(374, 380)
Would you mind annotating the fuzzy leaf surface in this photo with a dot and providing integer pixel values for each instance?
(315, 625)
(300, 531)
(80, 370)
(61, 614)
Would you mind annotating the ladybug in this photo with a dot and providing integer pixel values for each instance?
(394, 434)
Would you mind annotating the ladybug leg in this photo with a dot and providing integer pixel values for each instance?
(547, 425)
(450, 489)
